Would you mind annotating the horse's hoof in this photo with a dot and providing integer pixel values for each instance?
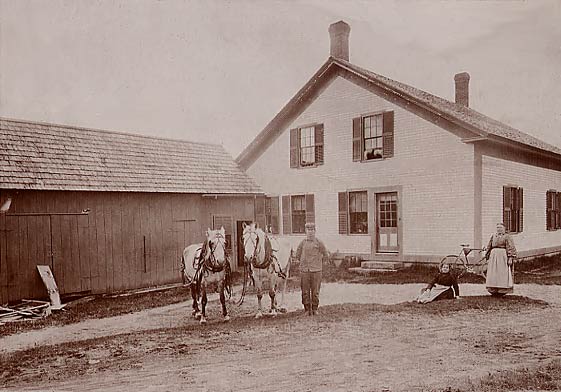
(226, 318)
(203, 321)
(259, 315)
(197, 316)
(273, 313)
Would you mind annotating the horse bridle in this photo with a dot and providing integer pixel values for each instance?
(214, 265)
(253, 258)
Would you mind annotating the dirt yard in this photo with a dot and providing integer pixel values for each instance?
(367, 338)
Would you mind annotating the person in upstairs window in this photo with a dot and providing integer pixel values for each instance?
(443, 286)
(500, 254)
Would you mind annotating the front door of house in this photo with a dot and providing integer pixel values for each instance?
(387, 222)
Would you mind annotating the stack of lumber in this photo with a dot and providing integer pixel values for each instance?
(26, 310)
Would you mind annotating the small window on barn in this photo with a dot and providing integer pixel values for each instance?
(553, 210)
(373, 136)
(306, 146)
(513, 209)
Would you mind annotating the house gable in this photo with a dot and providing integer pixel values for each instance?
(466, 123)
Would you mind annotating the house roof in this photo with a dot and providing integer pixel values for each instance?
(479, 124)
(57, 157)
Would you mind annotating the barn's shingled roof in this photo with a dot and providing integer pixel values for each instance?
(55, 157)
(479, 124)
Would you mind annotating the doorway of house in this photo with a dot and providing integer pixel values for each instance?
(387, 222)
(239, 240)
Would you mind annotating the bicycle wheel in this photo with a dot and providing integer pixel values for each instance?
(456, 263)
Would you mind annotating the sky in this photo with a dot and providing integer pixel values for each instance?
(219, 71)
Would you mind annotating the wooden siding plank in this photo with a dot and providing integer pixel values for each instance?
(128, 278)
(137, 255)
(12, 256)
(117, 246)
(100, 284)
(3, 260)
(145, 241)
(84, 253)
(108, 206)
(169, 248)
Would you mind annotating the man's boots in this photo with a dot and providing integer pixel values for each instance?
(307, 310)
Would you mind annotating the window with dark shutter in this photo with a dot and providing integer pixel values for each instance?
(557, 210)
(388, 134)
(273, 218)
(319, 144)
(373, 137)
(550, 212)
(294, 148)
(357, 139)
(260, 212)
(343, 217)
(286, 224)
(298, 213)
(358, 212)
(310, 209)
(513, 209)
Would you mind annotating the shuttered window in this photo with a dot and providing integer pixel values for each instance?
(267, 213)
(373, 137)
(553, 210)
(297, 210)
(353, 212)
(513, 209)
(306, 146)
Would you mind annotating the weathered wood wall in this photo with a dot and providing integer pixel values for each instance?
(128, 240)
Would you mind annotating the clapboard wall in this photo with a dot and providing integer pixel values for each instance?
(125, 241)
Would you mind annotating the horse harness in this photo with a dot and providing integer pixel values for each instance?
(207, 263)
(270, 259)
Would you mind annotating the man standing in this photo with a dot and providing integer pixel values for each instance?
(311, 252)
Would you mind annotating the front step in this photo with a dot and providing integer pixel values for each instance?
(381, 265)
(370, 271)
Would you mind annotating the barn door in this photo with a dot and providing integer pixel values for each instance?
(387, 222)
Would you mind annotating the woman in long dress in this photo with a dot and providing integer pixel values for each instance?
(500, 259)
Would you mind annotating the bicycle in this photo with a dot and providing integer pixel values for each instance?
(471, 260)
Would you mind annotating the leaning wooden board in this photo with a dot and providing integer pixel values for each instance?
(50, 284)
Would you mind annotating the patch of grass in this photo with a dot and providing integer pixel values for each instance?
(101, 307)
(546, 377)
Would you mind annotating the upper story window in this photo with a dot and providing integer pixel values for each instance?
(373, 136)
(553, 210)
(513, 209)
(372, 126)
(306, 146)
(296, 211)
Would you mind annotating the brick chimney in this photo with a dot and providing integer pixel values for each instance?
(462, 88)
(339, 36)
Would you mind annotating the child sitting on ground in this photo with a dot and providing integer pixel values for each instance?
(443, 286)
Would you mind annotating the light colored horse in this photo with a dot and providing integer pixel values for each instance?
(207, 263)
(267, 258)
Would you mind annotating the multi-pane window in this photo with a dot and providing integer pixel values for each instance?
(267, 213)
(513, 208)
(373, 136)
(553, 210)
(307, 146)
(298, 212)
(388, 211)
(372, 132)
(358, 212)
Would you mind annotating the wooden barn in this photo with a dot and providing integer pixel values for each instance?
(109, 211)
